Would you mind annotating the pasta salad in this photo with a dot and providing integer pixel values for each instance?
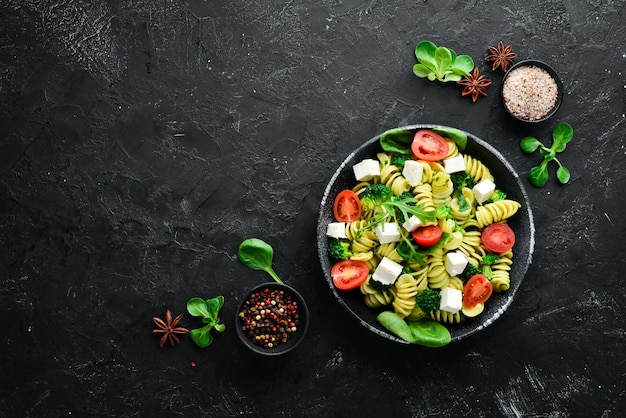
(423, 231)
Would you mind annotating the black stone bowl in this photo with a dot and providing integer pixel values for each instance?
(555, 77)
(522, 223)
(294, 340)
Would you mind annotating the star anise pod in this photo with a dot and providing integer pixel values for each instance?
(501, 56)
(475, 85)
(169, 328)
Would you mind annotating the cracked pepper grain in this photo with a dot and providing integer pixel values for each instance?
(529, 92)
(270, 317)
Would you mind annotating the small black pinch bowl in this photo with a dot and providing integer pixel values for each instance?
(294, 339)
(551, 72)
(506, 179)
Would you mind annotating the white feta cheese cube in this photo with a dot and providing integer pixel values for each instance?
(451, 300)
(454, 164)
(483, 190)
(336, 230)
(455, 263)
(412, 223)
(412, 172)
(387, 232)
(387, 271)
(366, 170)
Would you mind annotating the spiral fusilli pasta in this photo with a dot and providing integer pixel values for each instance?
(461, 228)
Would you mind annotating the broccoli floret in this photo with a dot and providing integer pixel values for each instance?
(459, 228)
(378, 286)
(469, 271)
(495, 196)
(488, 260)
(462, 179)
(406, 195)
(428, 300)
(339, 250)
(374, 195)
(399, 159)
(443, 212)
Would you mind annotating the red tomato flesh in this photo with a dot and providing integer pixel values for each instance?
(347, 206)
(498, 238)
(349, 274)
(477, 290)
(427, 236)
(429, 146)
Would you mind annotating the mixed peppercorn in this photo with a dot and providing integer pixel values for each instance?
(270, 317)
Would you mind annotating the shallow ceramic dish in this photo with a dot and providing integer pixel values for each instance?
(294, 340)
(522, 223)
(551, 72)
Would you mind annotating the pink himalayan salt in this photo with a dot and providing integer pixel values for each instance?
(529, 92)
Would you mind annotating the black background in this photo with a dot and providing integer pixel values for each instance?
(141, 141)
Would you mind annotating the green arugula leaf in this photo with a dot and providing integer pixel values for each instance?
(415, 254)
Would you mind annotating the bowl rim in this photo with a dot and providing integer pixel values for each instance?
(322, 224)
(295, 340)
(553, 74)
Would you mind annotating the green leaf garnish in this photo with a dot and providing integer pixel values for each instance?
(426, 332)
(562, 174)
(529, 144)
(258, 255)
(397, 140)
(440, 63)
(209, 311)
(197, 307)
(538, 175)
(561, 136)
(458, 136)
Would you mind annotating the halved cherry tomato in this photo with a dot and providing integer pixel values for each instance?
(429, 146)
(498, 238)
(348, 274)
(477, 290)
(347, 206)
(427, 235)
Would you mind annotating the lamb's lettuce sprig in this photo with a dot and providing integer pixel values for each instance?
(561, 136)
(441, 63)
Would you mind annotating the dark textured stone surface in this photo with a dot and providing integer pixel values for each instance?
(142, 141)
